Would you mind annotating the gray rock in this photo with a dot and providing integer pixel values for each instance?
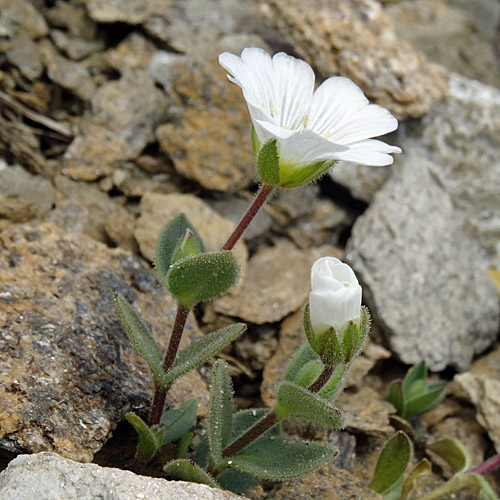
(23, 196)
(20, 16)
(47, 476)
(424, 278)
(68, 374)
(160, 67)
(24, 54)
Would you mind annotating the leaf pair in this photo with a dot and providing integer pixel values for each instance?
(188, 272)
(412, 396)
(193, 356)
(174, 425)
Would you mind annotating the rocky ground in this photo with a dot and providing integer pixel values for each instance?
(115, 116)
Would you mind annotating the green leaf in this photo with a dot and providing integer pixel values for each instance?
(202, 349)
(139, 335)
(295, 401)
(391, 464)
(149, 442)
(279, 458)
(423, 403)
(187, 470)
(395, 396)
(244, 419)
(182, 447)
(220, 411)
(309, 373)
(202, 277)
(304, 355)
(177, 421)
(453, 452)
(417, 372)
(268, 163)
(421, 469)
(335, 384)
(168, 242)
(236, 481)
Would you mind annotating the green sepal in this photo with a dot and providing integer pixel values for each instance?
(255, 143)
(169, 241)
(149, 438)
(279, 458)
(187, 470)
(391, 465)
(142, 339)
(268, 163)
(421, 469)
(420, 404)
(303, 356)
(454, 453)
(202, 277)
(335, 383)
(182, 447)
(203, 349)
(308, 329)
(295, 175)
(309, 373)
(236, 481)
(220, 411)
(295, 401)
(176, 422)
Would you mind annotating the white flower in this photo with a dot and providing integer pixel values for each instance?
(335, 122)
(335, 297)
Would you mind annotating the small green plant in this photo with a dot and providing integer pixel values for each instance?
(391, 482)
(412, 396)
(297, 135)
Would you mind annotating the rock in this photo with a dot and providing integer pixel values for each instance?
(129, 11)
(24, 196)
(21, 16)
(291, 338)
(161, 67)
(256, 347)
(366, 413)
(74, 47)
(210, 140)
(47, 476)
(134, 52)
(124, 115)
(481, 386)
(327, 483)
(425, 280)
(90, 211)
(449, 35)
(463, 137)
(278, 283)
(68, 374)
(354, 39)
(25, 54)
(156, 210)
(68, 74)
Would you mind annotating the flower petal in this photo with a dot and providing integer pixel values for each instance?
(306, 147)
(341, 112)
(282, 86)
(369, 152)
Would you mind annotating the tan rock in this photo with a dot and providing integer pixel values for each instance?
(327, 483)
(278, 283)
(481, 386)
(68, 374)
(353, 38)
(156, 210)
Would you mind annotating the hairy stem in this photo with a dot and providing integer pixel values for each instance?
(257, 204)
(173, 347)
(266, 422)
(490, 465)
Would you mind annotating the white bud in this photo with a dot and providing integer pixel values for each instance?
(335, 297)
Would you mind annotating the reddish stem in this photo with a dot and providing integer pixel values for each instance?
(173, 347)
(266, 422)
(259, 200)
(488, 466)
